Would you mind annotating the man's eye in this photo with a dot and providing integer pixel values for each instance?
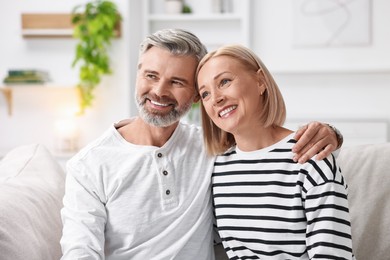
(151, 76)
(177, 82)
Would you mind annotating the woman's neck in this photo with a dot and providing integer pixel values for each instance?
(259, 138)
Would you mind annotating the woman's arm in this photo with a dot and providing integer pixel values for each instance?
(328, 232)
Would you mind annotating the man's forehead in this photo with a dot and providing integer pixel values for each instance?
(157, 57)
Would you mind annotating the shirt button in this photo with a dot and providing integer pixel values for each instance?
(167, 192)
(165, 173)
(159, 155)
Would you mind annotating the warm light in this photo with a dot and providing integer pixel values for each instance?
(67, 135)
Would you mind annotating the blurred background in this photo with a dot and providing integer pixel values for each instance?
(331, 60)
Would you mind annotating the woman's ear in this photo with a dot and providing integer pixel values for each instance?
(260, 75)
(261, 81)
(262, 88)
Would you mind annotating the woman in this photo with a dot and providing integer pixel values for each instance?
(267, 206)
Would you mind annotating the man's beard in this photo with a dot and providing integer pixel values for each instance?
(161, 119)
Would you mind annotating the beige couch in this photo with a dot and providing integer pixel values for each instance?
(32, 186)
(367, 171)
(31, 191)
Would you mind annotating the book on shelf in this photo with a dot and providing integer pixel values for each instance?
(28, 72)
(29, 76)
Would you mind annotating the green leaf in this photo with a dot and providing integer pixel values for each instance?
(95, 28)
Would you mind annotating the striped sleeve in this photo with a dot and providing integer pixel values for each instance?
(326, 208)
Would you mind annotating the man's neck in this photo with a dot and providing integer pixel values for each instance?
(140, 133)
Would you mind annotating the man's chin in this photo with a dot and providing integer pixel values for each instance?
(161, 119)
(158, 120)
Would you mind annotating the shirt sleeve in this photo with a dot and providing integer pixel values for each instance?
(328, 222)
(83, 217)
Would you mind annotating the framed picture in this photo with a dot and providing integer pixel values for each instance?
(330, 23)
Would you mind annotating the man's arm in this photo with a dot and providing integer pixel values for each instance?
(316, 138)
(84, 218)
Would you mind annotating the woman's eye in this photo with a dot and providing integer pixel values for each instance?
(225, 81)
(204, 94)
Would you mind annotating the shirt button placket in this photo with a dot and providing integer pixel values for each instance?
(166, 181)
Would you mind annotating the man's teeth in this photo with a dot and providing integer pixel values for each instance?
(227, 110)
(158, 104)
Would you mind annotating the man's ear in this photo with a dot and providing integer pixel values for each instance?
(197, 98)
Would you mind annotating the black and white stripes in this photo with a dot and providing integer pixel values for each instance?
(269, 207)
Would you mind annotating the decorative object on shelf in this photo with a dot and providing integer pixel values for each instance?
(222, 6)
(26, 76)
(95, 27)
(174, 6)
(67, 134)
(186, 9)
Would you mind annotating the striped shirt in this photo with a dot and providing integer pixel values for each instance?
(269, 207)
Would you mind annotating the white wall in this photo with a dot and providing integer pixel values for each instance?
(35, 112)
(330, 84)
(351, 84)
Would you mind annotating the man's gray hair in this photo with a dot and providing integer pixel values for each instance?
(177, 41)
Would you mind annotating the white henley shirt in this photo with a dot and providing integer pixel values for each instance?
(126, 201)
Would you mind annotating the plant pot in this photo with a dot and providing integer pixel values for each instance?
(173, 6)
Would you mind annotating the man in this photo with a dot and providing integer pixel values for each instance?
(142, 190)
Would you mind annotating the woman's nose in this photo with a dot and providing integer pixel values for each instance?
(217, 99)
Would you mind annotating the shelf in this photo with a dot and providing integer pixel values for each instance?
(10, 92)
(7, 93)
(215, 28)
(38, 33)
(47, 25)
(53, 25)
(194, 17)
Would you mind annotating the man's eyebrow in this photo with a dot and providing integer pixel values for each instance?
(151, 71)
(173, 78)
(180, 79)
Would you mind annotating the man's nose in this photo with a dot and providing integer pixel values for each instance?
(161, 88)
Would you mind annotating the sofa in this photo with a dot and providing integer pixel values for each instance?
(31, 190)
(32, 187)
(367, 171)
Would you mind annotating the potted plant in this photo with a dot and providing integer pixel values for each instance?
(173, 6)
(95, 25)
(177, 7)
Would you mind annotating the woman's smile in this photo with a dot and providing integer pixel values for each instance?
(226, 111)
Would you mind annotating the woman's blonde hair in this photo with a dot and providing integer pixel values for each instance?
(218, 141)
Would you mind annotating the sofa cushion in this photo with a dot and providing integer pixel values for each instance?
(32, 187)
(367, 171)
